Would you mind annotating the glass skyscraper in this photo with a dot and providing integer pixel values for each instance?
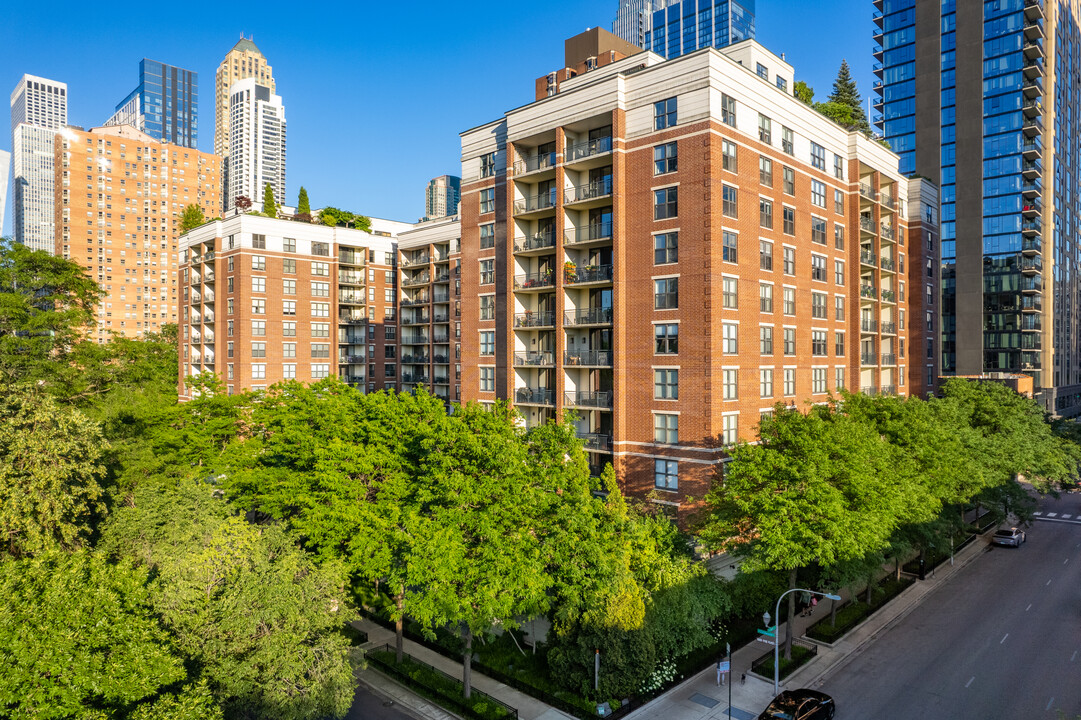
(672, 28)
(165, 105)
(998, 132)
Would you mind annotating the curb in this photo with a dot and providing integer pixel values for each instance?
(406, 700)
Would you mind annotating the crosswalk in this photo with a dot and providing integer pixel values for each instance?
(1057, 517)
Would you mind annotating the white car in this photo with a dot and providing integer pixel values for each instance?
(1011, 537)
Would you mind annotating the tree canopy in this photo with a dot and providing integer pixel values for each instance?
(303, 206)
(334, 217)
(191, 217)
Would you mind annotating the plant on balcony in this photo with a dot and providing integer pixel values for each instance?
(569, 270)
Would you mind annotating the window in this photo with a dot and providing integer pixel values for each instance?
(487, 165)
(229, 349)
(487, 236)
(666, 474)
(289, 287)
(839, 237)
(258, 349)
(789, 301)
(664, 158)
(289, 329)
(322, 289)
(838, 167)
(320, 310)
(818, 193)
(258, 371)
(838, 272)
(839, 344)
(788, 140)
(289, 350)
(765, 383)
(230, 264)
(487, 379)
(765, 129)
(818, 305)
(789, 261)
(818, 156)
(666, 293)
(729, 246)
(838, 308)
(730, 338)
(487, 272)
(729, 294)
(729, 429)
(321, 269)
(258, 284)
(321, 330)
(320, 371)
(730, 384)
(765, 339)
(789, 222)
(839, 378)
(229, 326)
(229, 284)
(762, 71)
(389, 332)
(487, 342)
(788, 180)
(666, 384)
(818, 230)
(789, 341)
(289, 245)
(258, 306)
(782, 84)
(728, 110)
(765, 171)
(765, 255)
(320, 350)
(258, 242)
(665, 203)
(258, 262)
(818, 380)
(289, 266)
(487, 307)
(729, 158)
(289, 372)
(765, 298)
(487, 200)
(765, 213)
(321, 249)
(664, 114)
(258, 328)
(666, 428)
(818, 343)
(818, 267)
(667, 338)
(729, 205)
(838, 202)
(389, 369)
(665, 248)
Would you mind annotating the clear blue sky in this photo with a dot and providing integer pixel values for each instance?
(375, 92)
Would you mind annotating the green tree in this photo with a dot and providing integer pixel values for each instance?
(303, 206)
(80, 639)
(50, 473)
(334, 217)
(845, 95)
(191, 217)
(270, 208)
(804, 92)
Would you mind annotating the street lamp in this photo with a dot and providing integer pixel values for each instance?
(777, 633)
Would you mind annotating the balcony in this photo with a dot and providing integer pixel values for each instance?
(869, 390)
(1031, 189)
(442, 359)
(867, 224)
(592, 191)
(1032, 208)
(416, 378)
(1033, 87)
(889, 296)
(353, 380)
(351, 297)
(352, 257)
(541, 202)
(889, 328)
(888, 390)
(1031, 245)
(415, 319)
(886, 231)
(530, 319)
(594, 233)
(589, 274)
(1032, 126)
(416, 280)
(534, 163)
(588, 358)
(534, 281)
(1032, 107)
(533, 243)
(1031, 227)
(1033, 9)
(417, 261)
(1034, 29)
(349, 277)
(889, 359)
(867, 257)
(1032, 148)
(351, 359)
(441, 317)
(868, 325)
(1031, 322)
(1031, 169)
(441, 335)
(868, 292)
(869, 359)
(588, 149)
(534, 396)
(1034, 67)
(1031, 303)
(414, 302)
(887, 264)
(1033, 49)
(414, 338)
(588, 316)
(442, 277)
(1032, 284)
(868, 192)
(409, 359)
(352, 320)
(588, 399)
(534, 359)
(886, 198)
(596, 441)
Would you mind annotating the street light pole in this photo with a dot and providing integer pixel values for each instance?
(777, 634)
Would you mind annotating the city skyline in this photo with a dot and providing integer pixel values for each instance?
(384, 177)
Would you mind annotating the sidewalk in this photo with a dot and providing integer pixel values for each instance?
(700, 698)
(528, 708)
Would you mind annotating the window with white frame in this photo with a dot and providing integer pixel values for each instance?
(839, 378)
(765, 297)
(321, 269)
(729, 246)
(730, 384)
(788, 180)
(320, 371)
(258, 284)
(765, 339)
(289, 329)
(818, 193)
(818, 305)
(258, 306)
(258, 371)
(666, 336)
(487, 200)
(665, 248)
(289, 371)
(320, 310)
(666, 428)
(258, 328)
(818, 156)
(789, 382)
(665, 158)
(321, 289)
(664, 113)
(838, 272)
(289, 350)
(320, 330)
(818, 380)
(729, 429)
(765, 383)
(258, 262)
(729, 156)
(789, 341)
(487, 379)
(258, 349)
(818, 343)
(666, 384)
(665, 474)
(730, 342)
(788, 295)
(487, 342)
(289, 287)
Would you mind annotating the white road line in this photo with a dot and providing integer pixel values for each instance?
(1048, 583)
(1003, 638)
(1029, 607)
(1074, 656)
(1049, 704)
(1038, 513)
(970, 681)
(1066, 561)
(1066, 517)
(1075, 521)
(1051, 514)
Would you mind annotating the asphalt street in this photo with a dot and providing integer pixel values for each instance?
(1002, 639)
(369, 706)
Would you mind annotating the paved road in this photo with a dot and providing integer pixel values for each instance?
(369, 706)
(1002, 639)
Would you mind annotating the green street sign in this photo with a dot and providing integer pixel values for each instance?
(769, 632)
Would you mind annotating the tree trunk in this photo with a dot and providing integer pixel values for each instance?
(399, 631)
(791, 615)
(467, 660)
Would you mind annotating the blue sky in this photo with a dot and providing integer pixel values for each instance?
(375, 93)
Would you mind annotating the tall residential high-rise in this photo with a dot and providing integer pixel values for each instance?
(39, 107)
(244, 61)
(441, 196)
(119, 197)
(165, 104)
(5, 173)
(669, 248)
(256, 143)
(982, 97)
(677, 27)
(631, 21)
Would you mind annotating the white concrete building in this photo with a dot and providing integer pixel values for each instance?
(39, 107)
(256, 143)
(5, 173)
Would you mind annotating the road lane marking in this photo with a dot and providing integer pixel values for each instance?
(1067, 517)
(1048, 583)
(1066, 561)
(1003, 638)
(1029, 607)
(1037, 513)
(1074, 656)
(1049, 704)
(1051, 514)
(970, 681)
(1075, 521)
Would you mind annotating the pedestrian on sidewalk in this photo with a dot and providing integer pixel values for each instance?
(805, 603)
(814, 604)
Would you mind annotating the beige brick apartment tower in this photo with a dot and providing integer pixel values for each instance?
(245, 60)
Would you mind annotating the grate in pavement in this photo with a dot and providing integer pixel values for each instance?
(742, 714)
(703, 700)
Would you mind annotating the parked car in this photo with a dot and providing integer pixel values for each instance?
(800, 705)
(1011, 537)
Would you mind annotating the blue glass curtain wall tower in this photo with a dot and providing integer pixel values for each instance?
(679, 27)
(165, 105)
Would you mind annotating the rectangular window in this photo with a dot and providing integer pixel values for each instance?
(320, 330)
(320, 310)
(729, 246)
(258, 306)
(487, 165)
(487, 307)
(818, 343)
(320, 371)
(487, 200)
(730, 338)
(838, 308)
(665, 248)
(789, 341)
(258, 284)
(838, 272)
(487, 379)
(229, 349)
(765, 340)
(258, 371)
(839, 237)
(729, 158)
(229, 285)
(789, 224)
(729, 294)
(258, 242)
(818, 380)
(258, 262)
(321, 248)
(818, 156)
(289, 372)
(728, 110)
(320, 350)
(230, 263)
(665, 158)
(666, 293)
(321, 269)
(289, 245)
(487, 342)
(839, 344)
(666, 384)
(729, 207)
(765, 298)
(665, 474)
(789, 261)
(289, 329)
(818, 230)
(289, 350)
(729, 429)
(788, 140)
(258, 328)
(730, 384)
(789, 301)
(664, 114)
(788, 180)
(762, 71)
(665, 203)
(229, 327)
(289, 287)
(389, 369)
(782, 84)
(838, 202)
(666, 428)
(765, 129)
(765, 213)
(487, 272)
(838, 167)
(322, 289)
(789, 382)
(818, 305)
(258, 349)
(818, 267)
(765, 383)
(818, 193)
(289, 266)
(765, 255)
(487, 236)
(667, 338)
(765, 171)
(839, 378)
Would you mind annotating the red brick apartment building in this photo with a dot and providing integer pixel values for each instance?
(265, 300)
(670, 248)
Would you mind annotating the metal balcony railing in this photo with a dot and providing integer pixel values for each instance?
(588, 148)
(535, 396)
(530, 319)
(594, 358)
(588, 316)
(588, 274)
(596, 441)
(532, 203)
(869, 326)
(588, 398)
(539, 241)
(534, 358)
(534, 280)
(588, 233)
(588, 191)
(534, 162)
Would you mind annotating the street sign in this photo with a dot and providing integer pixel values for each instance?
(724, 666)
(769, 632)
(771, 643)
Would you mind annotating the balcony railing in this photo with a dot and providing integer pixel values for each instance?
(588, 233)
(534, 280)
(886, 199)
(588, 274)
(588, 316)
(589, 148)
(887, 264)
(534, 319)
(867, 257)
(869, 390)
(869, 326)
(534, 358)
(408, 359)
(414, 339)
(868, 192)
(592, 358)
(886, 231)
(418, 279)
(416, 261)
(596, 441)
(869, 359)
(589, 191)
(413, 302)
(888, 390)
(532, 203)
(419, 378)
(889, 359)
(868, 291)
(415, 320)
(353, 298)
(539, 241)
(867, 224)
(889, 328)
(352, 320)
(889, 296)
(588, 398)
(534, 162)
(534, 396)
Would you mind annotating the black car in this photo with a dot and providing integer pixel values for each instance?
(800, 705)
